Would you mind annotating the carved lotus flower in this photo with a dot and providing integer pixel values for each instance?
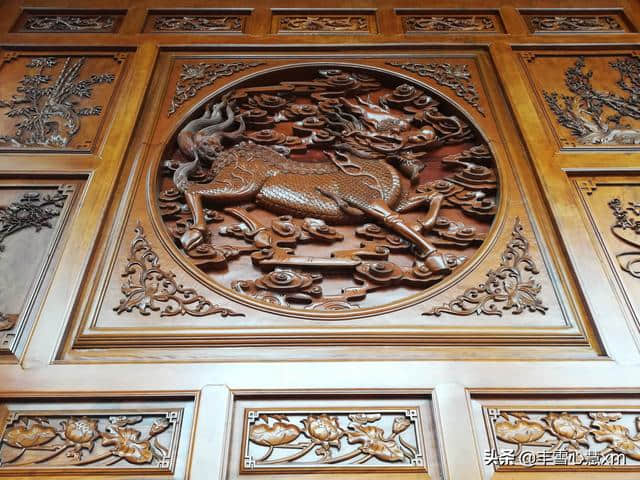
(81, 431)
(618, 436)
(280, 433)
(374, 443)
(522, 430)
(323, 429)
(127, 444)
(400, 424)
(35, 435)
(567, 427)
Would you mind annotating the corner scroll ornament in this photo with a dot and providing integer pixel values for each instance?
(627, 229)
(456, 77)
(195, 77)
(148, 285)
(505, 287)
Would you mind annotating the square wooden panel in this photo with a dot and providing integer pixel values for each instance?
(337, 435)
(314, 21)
(33, 219)
(202, 20)
(541, 434)
(587, 97)
(56, 102)
(576, 21)
(611, 207)
(69, 21)
(95, 437)
(416, 21)
(148, 295)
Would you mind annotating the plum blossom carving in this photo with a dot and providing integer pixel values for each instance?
(320, 439)
(627, 229)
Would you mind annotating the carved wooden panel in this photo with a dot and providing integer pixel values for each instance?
(611, 208)
(450, 21)
(541, 434)
(196, 21)
(588, 98)
(95, 437)
(575, 21)
(321, 21)
(222, 265)
(56, 102)
(69, 21)
(33, 216)
(349, 435)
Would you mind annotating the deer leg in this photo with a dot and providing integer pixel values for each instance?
(195, 234)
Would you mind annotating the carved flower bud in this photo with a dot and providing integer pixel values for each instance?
(400, 424)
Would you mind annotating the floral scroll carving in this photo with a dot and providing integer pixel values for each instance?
(627, 229)
(195, 77)
(323, 24)
(46, 441)
(576, 438)
(597, 116)
(49, 108)
(565, 23)
(505, 288)
(149, 288)
(70, 23)
(314, 440)
(456, 77)
(458, 23)
(190, 23)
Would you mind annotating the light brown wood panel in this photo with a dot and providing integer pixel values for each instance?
(350, 239)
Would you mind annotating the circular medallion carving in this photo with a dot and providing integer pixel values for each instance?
(327, 189)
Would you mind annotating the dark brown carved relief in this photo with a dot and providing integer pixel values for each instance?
(511, 287)
(560, 439)
(72, 21)
(612, 208)
(28, 228)
(319, 440)
(550, 21)
(454, 76)
(448, 22)
(150, 288)
(324, 23)
(40, 437)
(194, 21)
(55, 102)
(195, 76)
(317, 193)
(591, 100)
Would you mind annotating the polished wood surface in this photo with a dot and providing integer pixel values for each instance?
(144, 335)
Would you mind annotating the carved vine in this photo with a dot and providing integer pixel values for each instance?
(191, 23)
(31, 210)
(627, 229)
(313, 440)
(579, 433)
(470, 23)
(553, 23)
(48, 106)
(505, 288)
(597, 116)
(149, 288)
(70, 23)
(456, 77)
(349, 23)
(86, 441)
(195, 77)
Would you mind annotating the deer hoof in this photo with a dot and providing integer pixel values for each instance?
(437, 264)
(191, 238)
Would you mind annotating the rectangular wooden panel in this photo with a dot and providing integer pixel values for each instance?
(416, 21)
(324, 21)
(196, 21)
(66, 21)
(575, 21)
